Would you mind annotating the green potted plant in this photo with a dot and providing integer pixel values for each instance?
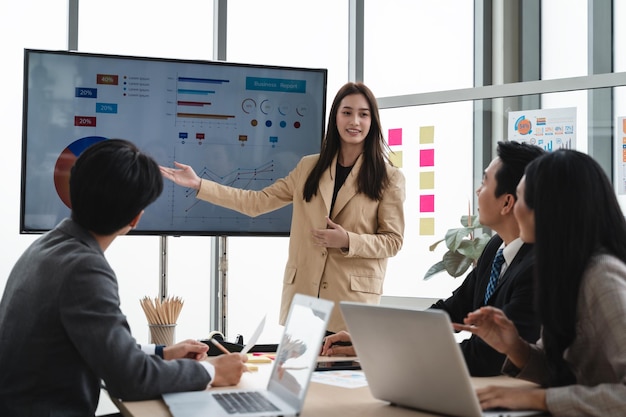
(465, 245)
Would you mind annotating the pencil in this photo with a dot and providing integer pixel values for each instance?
(219, 346)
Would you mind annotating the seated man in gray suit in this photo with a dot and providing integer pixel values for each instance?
(511, 288)
(61, 327)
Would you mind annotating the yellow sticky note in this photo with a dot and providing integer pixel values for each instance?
(252, 368)
(427, 134)
(427, 180)
(427, 226)
(258, 359)
(395, 158)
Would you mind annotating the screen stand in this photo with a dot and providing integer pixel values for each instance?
(163, 269)
(219, 281)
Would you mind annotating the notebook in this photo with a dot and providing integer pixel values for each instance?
(410, 358)
(291, 373)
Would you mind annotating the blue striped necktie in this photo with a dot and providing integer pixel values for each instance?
(495, 273)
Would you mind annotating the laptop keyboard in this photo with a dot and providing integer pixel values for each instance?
(244, 402)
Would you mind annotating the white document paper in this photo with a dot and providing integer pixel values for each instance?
(345, 379)
(255, 336)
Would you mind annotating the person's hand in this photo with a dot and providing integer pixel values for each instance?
(183, 175)
(191, 349)
(228, 369)
(333, 236)
(512, 398)
(328, 349)
(492, 325)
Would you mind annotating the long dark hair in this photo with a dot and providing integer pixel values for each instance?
(576, 216)
(372, 179)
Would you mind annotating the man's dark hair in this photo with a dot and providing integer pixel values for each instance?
(111, 183)
(514, 157)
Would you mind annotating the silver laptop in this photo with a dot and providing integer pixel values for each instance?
(291, 374)
(410, 358)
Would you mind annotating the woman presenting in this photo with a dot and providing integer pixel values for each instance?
(348, 214)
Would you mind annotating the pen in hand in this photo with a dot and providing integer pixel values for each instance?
(341, 343)
(223, 349)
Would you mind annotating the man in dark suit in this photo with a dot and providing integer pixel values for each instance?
(511, 291)
(61, 328)
(512, 287)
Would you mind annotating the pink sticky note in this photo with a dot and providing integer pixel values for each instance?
(427, 203)
(395, 137)
(427, 157)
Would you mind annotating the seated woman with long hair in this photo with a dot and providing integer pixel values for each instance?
(567, 207)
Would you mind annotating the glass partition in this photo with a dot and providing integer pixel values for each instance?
(182, 29)
(438, 190)
(435, 145)
(408, 49)
(427, 47)
(282, 32)
(563, 38)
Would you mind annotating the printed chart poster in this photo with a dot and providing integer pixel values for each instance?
(550, 129)
(620, 152)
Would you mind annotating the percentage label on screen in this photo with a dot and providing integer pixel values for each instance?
(85, 121)
(106, 108)
(82, 92)
(108, 79)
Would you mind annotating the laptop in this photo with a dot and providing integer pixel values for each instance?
(290, 377)
(411, 359)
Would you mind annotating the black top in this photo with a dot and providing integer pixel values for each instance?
(340, 177)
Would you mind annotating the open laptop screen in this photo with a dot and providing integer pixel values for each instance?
(298, 350)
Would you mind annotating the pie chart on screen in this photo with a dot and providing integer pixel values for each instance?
(64, 165)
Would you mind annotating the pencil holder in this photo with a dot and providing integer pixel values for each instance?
(162, 316)
(162, 334)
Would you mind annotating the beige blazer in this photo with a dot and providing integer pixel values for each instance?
(375, 229)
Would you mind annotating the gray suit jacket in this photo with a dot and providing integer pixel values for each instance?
(62, 332)
(598, 354)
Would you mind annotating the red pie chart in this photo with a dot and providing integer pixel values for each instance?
(64, 165)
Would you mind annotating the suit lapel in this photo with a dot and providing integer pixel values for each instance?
(349, 188)
(516, 260)
(327, 182)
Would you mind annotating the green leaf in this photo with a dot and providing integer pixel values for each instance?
(464, 248)
(473, 248)
(434, 245)
(456, 264)
(438, 267)
(454, 237)
(475, 222)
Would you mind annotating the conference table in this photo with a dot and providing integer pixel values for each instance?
(321, 399)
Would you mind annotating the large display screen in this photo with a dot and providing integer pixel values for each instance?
(237, 124)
